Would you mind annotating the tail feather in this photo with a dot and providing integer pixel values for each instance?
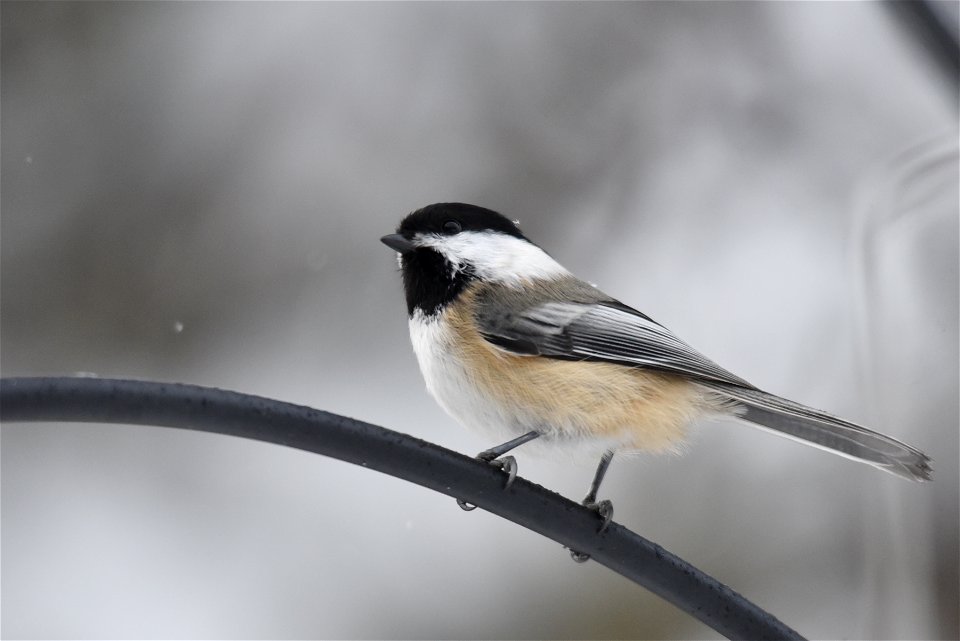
(822, 430)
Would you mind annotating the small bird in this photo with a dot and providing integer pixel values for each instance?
(513, 345)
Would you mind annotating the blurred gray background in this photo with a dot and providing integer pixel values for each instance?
(194, 192)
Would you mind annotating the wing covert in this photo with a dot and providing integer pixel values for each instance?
(604, 331)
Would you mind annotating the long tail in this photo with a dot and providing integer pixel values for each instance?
(827, 432)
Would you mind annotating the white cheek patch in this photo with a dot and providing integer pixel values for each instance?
(494, 257)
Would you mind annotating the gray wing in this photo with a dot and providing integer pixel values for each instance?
(602, 331)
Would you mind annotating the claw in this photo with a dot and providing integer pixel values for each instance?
(605, 510)
(579, 557)
(506, 463)
(509, 465)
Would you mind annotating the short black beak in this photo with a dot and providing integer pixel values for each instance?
(398, 243)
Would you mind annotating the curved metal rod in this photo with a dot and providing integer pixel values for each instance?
(212, 410)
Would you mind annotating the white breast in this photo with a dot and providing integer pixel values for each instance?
(450, 384)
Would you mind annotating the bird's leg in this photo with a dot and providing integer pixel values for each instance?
(591, 499)
(603, 508)
(507, 463)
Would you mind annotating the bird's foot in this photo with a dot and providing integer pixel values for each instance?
(605, 510)
(506, 463)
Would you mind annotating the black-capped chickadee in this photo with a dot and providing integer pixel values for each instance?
(513, 345)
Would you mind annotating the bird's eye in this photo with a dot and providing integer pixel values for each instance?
(451, 227)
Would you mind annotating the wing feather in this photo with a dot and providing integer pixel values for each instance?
(603, 331)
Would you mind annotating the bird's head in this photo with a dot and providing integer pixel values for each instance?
(444, 247)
